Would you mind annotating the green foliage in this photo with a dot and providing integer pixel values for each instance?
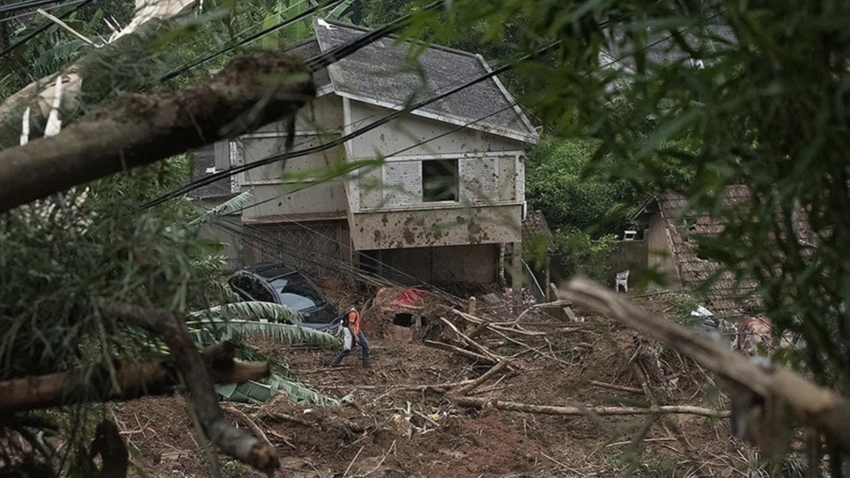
(233, 469)
(263, 390)
(582, 254)
(560, 183)
(683, 305)
(208, 331)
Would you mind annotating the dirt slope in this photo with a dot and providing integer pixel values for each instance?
(390, 431)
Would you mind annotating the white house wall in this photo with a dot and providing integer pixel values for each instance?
(407, 132)
(386, 205)
(438, 227)
(292, 189)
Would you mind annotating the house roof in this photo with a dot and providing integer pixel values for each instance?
(535, 229)
(309, 48)
(202, 166)
(383, 74)
(725, 297)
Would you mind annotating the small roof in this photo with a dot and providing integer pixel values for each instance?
(203, 166)
(383, 74)
(534, 230)
(727, 297)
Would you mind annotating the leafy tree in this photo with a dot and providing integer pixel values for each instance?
(765, 109)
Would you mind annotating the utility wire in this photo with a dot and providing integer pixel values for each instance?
(30, 14)
(343, 139)
(301, 16)
(28, 4)
(41, 28)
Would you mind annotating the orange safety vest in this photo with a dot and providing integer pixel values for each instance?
(354, 321)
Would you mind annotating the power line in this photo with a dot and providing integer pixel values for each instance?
(30, 14)
(386, 119)
(179, 71)
(27, 4)
(44, 26)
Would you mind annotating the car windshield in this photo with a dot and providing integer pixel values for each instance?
(296, 292)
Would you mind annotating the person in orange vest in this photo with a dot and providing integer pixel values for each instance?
(353, 336)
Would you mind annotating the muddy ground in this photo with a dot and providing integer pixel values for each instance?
(390, 431)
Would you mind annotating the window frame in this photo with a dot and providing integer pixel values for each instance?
(457, 176)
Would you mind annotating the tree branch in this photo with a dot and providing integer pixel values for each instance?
(817, 406)
(132, 380)
(584, 411)
(141, 129)
(199, 385)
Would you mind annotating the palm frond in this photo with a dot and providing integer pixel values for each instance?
(237, 203)
(263, 390)
(206, 332)
(249, 311)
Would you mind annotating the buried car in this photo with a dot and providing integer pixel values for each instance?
(284, 285)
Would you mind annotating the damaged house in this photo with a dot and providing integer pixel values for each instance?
(672, 250)
(437, 195)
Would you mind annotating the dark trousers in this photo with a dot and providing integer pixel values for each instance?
(364, 346)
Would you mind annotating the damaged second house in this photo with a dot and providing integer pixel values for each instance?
(436, 195)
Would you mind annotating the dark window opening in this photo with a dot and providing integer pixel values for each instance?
(439, 180)
(404, 320)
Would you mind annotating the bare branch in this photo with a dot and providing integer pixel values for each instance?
(133, 380)
(585, 411)
(199, 385)
(817, 406)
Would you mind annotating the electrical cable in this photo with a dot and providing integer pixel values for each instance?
(256, 36)
(386, 119)
(46, 9)
(41, 28)
(27, 4)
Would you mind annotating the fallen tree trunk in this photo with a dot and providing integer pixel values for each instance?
(585, 411)
(819, 407)
(141, 129)
(133, 380)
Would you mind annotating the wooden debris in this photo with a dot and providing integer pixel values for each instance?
(819, 407)
(475, 345)
(611, 386)
(585, 411)
(483, 378)
(462, 352)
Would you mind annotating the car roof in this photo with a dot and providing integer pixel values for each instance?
(271, 271)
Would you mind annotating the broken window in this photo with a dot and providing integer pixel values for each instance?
(439, 180)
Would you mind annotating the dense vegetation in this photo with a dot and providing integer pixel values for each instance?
(766, 109)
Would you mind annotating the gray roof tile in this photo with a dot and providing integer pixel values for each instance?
(382, 73)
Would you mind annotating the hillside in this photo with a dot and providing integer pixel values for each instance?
(404, 423)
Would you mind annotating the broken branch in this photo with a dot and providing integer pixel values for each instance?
(585, 411)
(199, 385)
(462, 352)
(475, 345)
(133, 380)
(483, 378)
(817, 406)
(620, 388)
